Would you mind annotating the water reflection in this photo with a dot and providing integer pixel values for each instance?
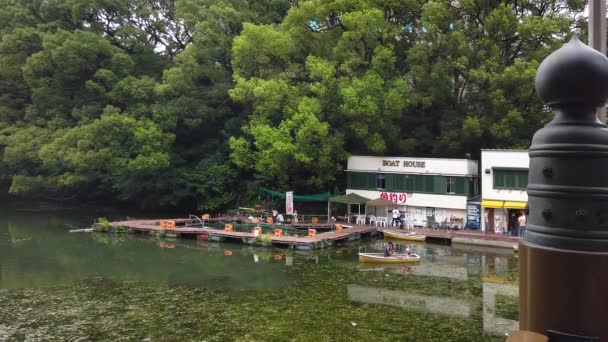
(410, 301)
(497, 273)
(475, 291)
(492, 321)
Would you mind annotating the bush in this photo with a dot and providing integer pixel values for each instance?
(103, 225)
(262, 240)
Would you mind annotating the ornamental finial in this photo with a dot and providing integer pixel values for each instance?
(574, 75)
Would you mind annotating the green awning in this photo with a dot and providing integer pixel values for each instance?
(351, 198)
(322, 197)
(381, 202)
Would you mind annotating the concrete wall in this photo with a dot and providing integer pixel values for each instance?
(516, 159)
(415, 206)
(421, 200)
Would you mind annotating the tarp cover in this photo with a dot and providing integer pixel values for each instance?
(322, 197)
(381, 202)
(351, 198)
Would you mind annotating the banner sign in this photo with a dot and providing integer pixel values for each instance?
(398, 198)
(289, 202)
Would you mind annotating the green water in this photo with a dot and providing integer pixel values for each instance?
(60, 286)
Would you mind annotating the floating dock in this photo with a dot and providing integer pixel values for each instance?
(327, 236)
(181, 227)
(465, 237)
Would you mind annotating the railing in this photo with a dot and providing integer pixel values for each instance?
(308, 218)
(196, 218)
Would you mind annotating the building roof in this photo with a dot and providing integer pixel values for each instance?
(504, 150)
(381, 202)
(351, 198)
(410, 157)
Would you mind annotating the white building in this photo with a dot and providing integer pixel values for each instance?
(504, 182)
(428, 189)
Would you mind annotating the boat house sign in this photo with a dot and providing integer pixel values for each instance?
(406, 163)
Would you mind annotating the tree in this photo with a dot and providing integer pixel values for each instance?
(197, 103)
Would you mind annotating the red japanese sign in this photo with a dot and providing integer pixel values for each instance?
(394, 197)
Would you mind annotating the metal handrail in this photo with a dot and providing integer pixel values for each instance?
(197, 219)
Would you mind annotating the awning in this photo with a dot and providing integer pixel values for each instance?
(503, 204)
(492, 204)
(515, 205)
(381, 202)
(351, 198)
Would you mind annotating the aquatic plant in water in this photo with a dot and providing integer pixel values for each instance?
(314, 304)
(102, 225)
(262, 240)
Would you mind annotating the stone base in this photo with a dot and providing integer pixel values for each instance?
(563, 290)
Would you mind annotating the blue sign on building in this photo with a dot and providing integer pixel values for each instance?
(473, 215)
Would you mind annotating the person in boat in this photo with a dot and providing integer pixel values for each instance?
(280, 219)
(389, 250)
(295, 216)
(408, 252)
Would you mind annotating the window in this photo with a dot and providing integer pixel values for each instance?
(361, 180)
(380, 181)
(450, 187)
(510, 179)
(473, 189)
(430, 184)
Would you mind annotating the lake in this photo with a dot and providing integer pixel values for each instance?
(60, 286)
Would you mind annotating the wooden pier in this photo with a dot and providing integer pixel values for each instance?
(182, 229)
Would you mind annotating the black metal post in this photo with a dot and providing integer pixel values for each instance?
(564, 253)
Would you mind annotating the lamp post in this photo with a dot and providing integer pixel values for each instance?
(564, 252)
(597, 35)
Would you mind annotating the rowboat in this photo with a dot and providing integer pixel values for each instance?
(403, 236)
(393, 259)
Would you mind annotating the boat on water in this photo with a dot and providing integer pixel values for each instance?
(403, 236)
(393, 259)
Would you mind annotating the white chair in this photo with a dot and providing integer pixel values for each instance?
(381, 221)
(372, 220)
(361, 219)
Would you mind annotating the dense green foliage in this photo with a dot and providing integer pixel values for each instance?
(198, 103)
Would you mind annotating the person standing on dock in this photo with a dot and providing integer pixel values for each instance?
(514, 225)
(280, 219)
(295, 216)
(396, 215)
(275, 213)
(522, 223)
